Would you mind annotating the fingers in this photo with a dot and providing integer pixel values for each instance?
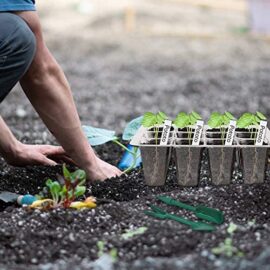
(117, 172)
(49, 150)
(46, 161)
(63, 159)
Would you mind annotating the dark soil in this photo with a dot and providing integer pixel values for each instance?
(55, 239)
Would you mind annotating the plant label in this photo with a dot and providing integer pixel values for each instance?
(166, 132)
(198, 132)
(261, 133)
(230, 133)
(140, 137)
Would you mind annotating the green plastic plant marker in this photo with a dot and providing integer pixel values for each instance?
(195, 226)
(202, 212)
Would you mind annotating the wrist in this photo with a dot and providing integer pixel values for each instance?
(11, 150)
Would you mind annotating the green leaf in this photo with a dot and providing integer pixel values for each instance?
(70, 194)
(163, 115)
(181, 120)
(131, 233)
(192, 120)
(66, 172)
(98, 136)
(101, 246)
(245, 120)
(232, 228)
(159, 119)
(149, 119)
(79, 191)
(113, 253)
(257, 120)
(261, 116)
(215, 120)
(225, 120)
(132, 128)
(196, 115)
(228, 241)
(182, 115)
(55, 188)
(64, 189)
(229, 115)
(78, 175)
(49, 183)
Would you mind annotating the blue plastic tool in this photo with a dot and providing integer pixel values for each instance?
(127, 159)
(10, 197)
(26, 199)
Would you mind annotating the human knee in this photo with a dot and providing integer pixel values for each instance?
(25, 41)
(17, 38)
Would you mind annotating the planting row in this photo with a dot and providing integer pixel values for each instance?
(226, 143)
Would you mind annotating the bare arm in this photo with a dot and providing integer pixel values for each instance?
(18, 154)
(48, 90)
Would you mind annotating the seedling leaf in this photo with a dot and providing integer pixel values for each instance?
(196, 115)
(131, 233)
(113, 253)
(181, 120)
(79, 175)
(232, 228)
(100, 246)
(55, 188)
(162, 115)
(229, 115)
(192, 120)
(215, 120)
(149, 119)
(79, 191)
(261, 116)
(66, 172)
(98, 136)
(245, 120)
(132, 128)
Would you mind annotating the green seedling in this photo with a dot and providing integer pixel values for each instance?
(101, 251)
(184, 120)
(131, 233)
(98, 136)
(152, 120)
(68, 188)
(249, 120)
(226, 248)
(221, 122)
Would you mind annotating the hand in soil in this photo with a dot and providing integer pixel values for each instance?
(38, 155)
(103, 171)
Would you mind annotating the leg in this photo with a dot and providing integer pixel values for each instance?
(17, 49)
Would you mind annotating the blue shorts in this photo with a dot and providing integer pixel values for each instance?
(17, 49)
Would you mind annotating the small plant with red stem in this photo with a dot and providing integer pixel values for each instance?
(68, 188)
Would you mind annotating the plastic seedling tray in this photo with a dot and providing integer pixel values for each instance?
(221, 156)
(188, 158)
(253, 157)
(156, 158)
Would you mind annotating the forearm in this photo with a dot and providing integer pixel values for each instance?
(8, 143)
(48, 90)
